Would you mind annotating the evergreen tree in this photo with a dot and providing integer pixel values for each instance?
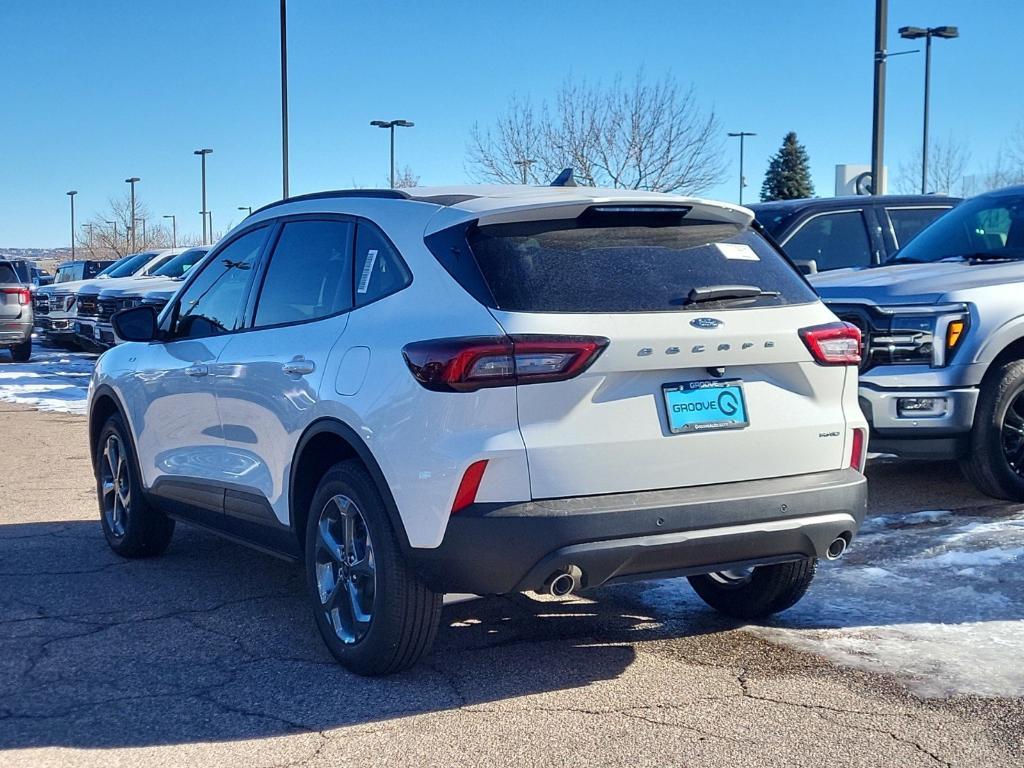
(789, 173)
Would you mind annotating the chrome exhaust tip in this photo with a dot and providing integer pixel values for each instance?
(562, 583)
(837, 548)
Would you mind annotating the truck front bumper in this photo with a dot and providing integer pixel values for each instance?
(493, 548)
(938, 432)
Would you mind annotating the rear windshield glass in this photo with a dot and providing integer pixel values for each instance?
(7, 273)
(775, 220)
(631, 263)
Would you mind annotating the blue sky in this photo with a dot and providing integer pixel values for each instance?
(101, 90)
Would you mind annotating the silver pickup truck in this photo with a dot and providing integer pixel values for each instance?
(942, 372)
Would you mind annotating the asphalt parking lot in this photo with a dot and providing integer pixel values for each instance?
(208, 656)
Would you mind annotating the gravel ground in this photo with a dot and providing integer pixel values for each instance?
(207, 656)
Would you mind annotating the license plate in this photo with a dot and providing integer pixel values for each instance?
(705, 406)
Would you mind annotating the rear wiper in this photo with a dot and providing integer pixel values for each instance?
(708, 293)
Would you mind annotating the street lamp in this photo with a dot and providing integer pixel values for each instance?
(174, 229)
(113, 242)
(71, 195)
(391, 125)
(133, 180)
(202, 157)
(89, 227)
(284, 98)
(246, 208)
(524, 166)
(916, 33)
(143, 230)
(743, 181)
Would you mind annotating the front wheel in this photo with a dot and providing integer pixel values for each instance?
(373, 612)
(131, 526)
(995, 461)
(754, 593)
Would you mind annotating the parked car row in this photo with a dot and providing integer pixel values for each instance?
(76, 313)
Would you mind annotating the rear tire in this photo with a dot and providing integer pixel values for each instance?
(132, 527)
(766, 590)
(22, 352)
(997, 437)
(374, 614)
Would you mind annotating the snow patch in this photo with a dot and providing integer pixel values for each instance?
(52, 380)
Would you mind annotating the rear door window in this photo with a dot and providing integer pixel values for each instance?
(907, 222)
(832, 241)
(310, 274)
(627, 261)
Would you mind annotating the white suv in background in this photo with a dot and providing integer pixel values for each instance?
(488, 390)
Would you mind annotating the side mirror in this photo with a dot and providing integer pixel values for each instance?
(808, 267)
(135, 324)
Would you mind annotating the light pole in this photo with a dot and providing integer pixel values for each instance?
(743, 181)
(284, 98)
(202, 157)
(71, 195)
(133, 180)
(524, 167)
(916, 33)
(89, 227)
(246, 208)
(114, 243)
(174, 229)
(391, 125)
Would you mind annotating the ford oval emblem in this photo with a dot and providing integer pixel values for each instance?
(705, 322)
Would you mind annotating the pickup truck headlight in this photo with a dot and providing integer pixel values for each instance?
(929, 336)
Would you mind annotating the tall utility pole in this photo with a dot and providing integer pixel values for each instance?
(89, 228)
(202, 157)
(174, 229)
(391, 125)
(114, 243)
(71, 195)
(878, 119)
(743, 179)
(524, 167)
(133, 180)
(916, 33)
(284, 99)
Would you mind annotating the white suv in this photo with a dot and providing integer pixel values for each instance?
(488, 390)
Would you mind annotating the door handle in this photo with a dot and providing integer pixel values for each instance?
(298, 366)
(197, 370)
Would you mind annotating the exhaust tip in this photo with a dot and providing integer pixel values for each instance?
(837, 548)
(562, 583)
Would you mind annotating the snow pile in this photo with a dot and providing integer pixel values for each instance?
(53, 380)
(934, 597)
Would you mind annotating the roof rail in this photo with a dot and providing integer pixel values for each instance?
(388, 194)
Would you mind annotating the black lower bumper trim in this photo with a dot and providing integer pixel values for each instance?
(500, 548)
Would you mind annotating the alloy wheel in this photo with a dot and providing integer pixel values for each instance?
(1013, 434)
(115, 484)
(346, 575)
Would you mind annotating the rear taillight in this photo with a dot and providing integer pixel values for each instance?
(469, 364)
(24, 294)
(469, 486)
(858, 449)
(833, 344)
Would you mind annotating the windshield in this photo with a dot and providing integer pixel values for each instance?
(774, 219)
(7, 273)
(181, 263)
(128, 266)
(987, 227)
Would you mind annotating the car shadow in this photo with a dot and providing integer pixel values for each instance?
(215, 642)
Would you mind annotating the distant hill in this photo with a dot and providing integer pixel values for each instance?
(37, 254)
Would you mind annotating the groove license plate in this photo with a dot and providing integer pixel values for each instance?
(705, 406)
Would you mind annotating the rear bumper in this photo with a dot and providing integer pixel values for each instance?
(500, 548)
(15, 332)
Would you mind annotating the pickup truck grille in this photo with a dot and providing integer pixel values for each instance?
(106, 307)
(41, 304)
(872, 325)
(88, 305)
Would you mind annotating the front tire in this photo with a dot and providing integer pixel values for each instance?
(374, 614)
(131, 526)
(995, 460)
(757, 592)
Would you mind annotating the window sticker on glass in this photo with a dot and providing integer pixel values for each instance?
(740, 251)
(364, 279)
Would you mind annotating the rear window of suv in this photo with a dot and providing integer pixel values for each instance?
(628, 262)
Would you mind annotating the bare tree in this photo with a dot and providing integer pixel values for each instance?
(947, 165)
(1008, 166)
(110, 230)
(636, 135)
(405, 178)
